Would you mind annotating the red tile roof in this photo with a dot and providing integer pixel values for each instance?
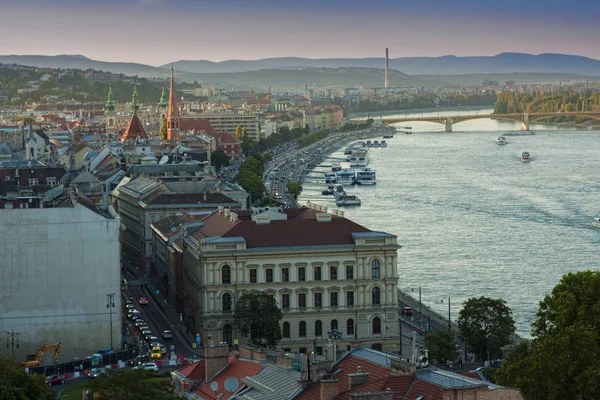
(237, 369)
(429, 391)
(471, 374)
(193, 371)
(134, 129)
(198, 125)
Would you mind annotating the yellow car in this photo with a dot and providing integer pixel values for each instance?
(156, 353)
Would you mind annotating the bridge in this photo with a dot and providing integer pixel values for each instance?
(524, 118)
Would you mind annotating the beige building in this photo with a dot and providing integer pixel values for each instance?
(318, 119)
(228, 122)
(325, 271)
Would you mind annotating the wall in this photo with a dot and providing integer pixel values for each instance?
(57, 267)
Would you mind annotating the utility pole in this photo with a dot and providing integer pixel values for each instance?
(12, 340)
(110, 304)
(449, 320)
(420, 313)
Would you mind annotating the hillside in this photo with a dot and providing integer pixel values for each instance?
(519, 77)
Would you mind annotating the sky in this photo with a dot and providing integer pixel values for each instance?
(158, 32)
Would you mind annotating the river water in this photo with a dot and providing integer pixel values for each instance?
(473, 219)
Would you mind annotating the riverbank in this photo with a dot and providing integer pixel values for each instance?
(374, 114)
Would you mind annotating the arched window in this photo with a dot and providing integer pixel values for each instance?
(376, 328)
(350, 327)
(334, 324)
(318, 328)
(375, 269)
(226, 299)
(228, 334)
(376, 295)
(302, 329)
(226, 275)
(285, 332)
(110, 122)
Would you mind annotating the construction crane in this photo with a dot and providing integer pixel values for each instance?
(37, 358)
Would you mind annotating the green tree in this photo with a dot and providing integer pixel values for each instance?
(268, 201)
(252, 183)
(130, 385)
(441, 345)
(257, 315)
(294, 188)
(16, 384)
(163, 129)
(562, 361)
(486, 324)
(219, 159)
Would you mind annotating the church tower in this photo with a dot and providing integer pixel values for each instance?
(172, 112)
(111, 121)
(163, 105)
(135, 129)
(31, 147)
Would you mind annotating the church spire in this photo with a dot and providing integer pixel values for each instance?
(172, 112)
(134, 99)
(163, 100)
(110, 102)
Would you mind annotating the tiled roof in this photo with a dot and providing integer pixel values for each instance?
(237, 369)
(428, 390)
(198, 125)
(471, 374)
(168, 226)
(193, 371)
(135, 129)
(192, 198)
(272, 383)
(447, 379)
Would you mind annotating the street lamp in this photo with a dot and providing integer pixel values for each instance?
(110, 304)
(333, 335)
(10, 340)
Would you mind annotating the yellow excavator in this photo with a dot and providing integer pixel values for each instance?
(37, 358)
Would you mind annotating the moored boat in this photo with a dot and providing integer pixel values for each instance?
(383, 143)
(346, 177)
(501, 140)
(525, 156)
(596, 221)
(366, 176)
(348, 200)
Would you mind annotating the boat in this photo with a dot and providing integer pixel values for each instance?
(338, 192)
(323, 165)
(596, 221)
(525, 156)
(369, 144)
(366, 176)
(383, 143)
(376, 143)
(408, 127)
(336, 167)
(518, 133)
(345, 177)
(359, 158)
(328, 191)
(348, 200)
(388, 135)
(501, 140)
(408, 133)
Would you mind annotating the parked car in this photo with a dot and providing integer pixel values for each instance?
(408, 311)
(153, 341)
(95, 372)
(55, 380)
(147, 366)
(139, 322)
(167, 334)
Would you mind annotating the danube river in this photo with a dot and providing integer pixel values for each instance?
(473, 219)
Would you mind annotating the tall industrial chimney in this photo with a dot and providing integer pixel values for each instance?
(386, 81)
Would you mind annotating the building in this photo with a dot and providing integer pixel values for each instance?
(58, 266)
(135, 129)
(228, 122)
(325, 271)
(173, 118)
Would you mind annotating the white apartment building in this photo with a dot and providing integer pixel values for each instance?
(228, 122)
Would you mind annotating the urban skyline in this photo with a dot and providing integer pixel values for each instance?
(158, 32)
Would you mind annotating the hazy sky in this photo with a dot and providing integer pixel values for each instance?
(160, 31)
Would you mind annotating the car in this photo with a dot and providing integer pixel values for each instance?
(139, 322)
(144, 301)
(163, 349)
(156, 353)
(146, 332)
(153, 341)
(167, 334)
(55, 380)
(149, 366)
(96, 372)
(144, 326)
(408, 311)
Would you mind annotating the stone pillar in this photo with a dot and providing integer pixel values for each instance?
(525, 123)
(448, 123)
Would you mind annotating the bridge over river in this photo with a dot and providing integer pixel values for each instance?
(524, 118)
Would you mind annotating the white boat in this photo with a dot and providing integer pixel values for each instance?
(336, 167)
(328, 191)
(323, 165)
(525, 156)
(383, 143)
(501, 140)
(346, 177)
(359, 158)
(338, 192)
(348, 200)
(596, 221)
(366, 176)
(518, 133)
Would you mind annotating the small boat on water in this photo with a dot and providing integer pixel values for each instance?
(388, 135)
(408, 133)
(525, 156)
(348, 200)
(375, 143)
(338, 192)
(336, 167)
(383, 143)
(369, 144)
(596, 221)
(501, 140)
(366, 176)
(346, 177)
(328, 191)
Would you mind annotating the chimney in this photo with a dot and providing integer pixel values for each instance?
(323, 217)
(205, 197)
(329, 388)
(226, 212)
(357, 378)
(217, 358)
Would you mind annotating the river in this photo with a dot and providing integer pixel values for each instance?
(472, 219)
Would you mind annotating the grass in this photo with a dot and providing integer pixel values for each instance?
(76, 391)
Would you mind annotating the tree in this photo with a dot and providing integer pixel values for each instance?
(561, 362)
(219, 159)
(441, 345)
(130, 385)
(486, 324)
(257, 315)
(294, 188)
(270, 202)
(16, 384)
(252, 183)
(163, 129)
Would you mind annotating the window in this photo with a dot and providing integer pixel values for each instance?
(269, 275)
(349, 298)
(51, 181)
(33, 182)
(334, 324)
(226, 302)
(350, 327)
(333, 299)
(253, 276)
(302, 350)
(376, 326)
(285, 331)
(318, 328)
(333, 272)
(317, 272)
(302, 300)
(376, 296)
(318, 300)
(349, 271)
(302, 329)
(228, 334)
(301, 274)
(375, 269)
(226, 274)
(285, 274)
(285, 301)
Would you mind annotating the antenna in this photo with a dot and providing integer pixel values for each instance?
(163, 160)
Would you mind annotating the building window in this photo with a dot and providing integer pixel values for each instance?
(226, 275)
(318, 300)
(302, 350)
(33, 182)
(350, 327)
(333, 299)
(349, 271)
(350, 298)
(375, 269)
(376, 296)
(302, 300)
(285, 301)
(317, 271)
(228, 334)
(333, 272)
(285, 274)
(318, 328)
(301, 274)
(334, 324)
(269, 275)
(376, 326)
(302, 329)
(285, 331)
(226, 302)
(51, 181)
(253, 275)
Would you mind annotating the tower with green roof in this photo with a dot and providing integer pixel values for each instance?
(134, 100)
(162, 106)
(109, 108)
